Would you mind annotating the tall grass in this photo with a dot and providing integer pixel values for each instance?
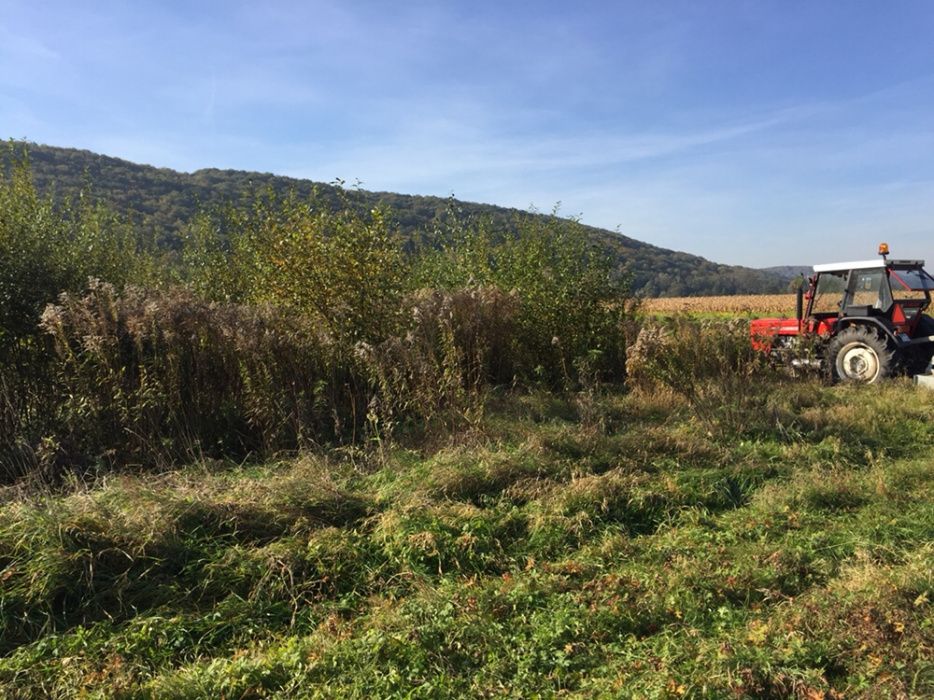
(149, 376)
(709, 363)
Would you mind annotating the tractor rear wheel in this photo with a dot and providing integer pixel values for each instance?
(859, 355)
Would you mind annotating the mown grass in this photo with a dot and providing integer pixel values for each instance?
(613, 547)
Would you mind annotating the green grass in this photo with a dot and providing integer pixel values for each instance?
(628, 550)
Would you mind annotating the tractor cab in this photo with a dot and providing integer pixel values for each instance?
(893, 293)
(865, 319)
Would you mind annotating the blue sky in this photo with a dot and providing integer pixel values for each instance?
(755, 133)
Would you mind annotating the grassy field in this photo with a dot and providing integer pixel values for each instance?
(592, 545)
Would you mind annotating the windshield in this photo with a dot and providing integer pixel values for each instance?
(914, 279)
(910, 284)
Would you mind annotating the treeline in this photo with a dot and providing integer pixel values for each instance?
(162, 204)
(279, 322)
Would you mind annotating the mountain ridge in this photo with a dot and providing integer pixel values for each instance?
(162, 201)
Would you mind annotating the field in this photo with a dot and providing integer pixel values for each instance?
(607, 545)
(740, 304)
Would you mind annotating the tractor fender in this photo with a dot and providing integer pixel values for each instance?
(924, 333)
(884, 331)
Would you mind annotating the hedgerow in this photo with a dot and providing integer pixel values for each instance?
(282, 323)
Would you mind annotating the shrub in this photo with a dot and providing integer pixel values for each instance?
(349, 271)
(571, 302)
(47, 247)
(342, 268)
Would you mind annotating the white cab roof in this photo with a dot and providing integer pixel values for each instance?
(853, 265)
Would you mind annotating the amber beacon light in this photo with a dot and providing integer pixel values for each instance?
(883, 249)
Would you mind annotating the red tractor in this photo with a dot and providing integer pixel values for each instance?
(862, 321)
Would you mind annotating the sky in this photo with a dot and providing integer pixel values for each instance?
(753, 133)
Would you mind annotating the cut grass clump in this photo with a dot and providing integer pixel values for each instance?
(130, 547)
(452, 537)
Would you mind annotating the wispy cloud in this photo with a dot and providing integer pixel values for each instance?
(15, 47)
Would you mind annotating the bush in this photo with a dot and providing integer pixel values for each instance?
(48, 247)
(344, 269)
(348, 270)
(572, 304)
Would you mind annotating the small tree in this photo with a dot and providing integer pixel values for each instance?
(47, 247)
(339, 266)
(572, 301)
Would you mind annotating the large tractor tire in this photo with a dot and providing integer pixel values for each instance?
(859, 355)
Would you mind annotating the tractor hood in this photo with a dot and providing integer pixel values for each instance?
(774, 326)
(771, 327)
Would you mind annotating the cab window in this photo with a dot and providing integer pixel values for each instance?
(869, 288)
(829, 293)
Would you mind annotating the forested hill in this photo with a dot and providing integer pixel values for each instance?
(163, 201)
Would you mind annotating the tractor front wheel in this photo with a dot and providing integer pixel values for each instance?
(859, 355)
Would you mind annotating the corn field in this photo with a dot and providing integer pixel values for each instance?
(747, 304)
